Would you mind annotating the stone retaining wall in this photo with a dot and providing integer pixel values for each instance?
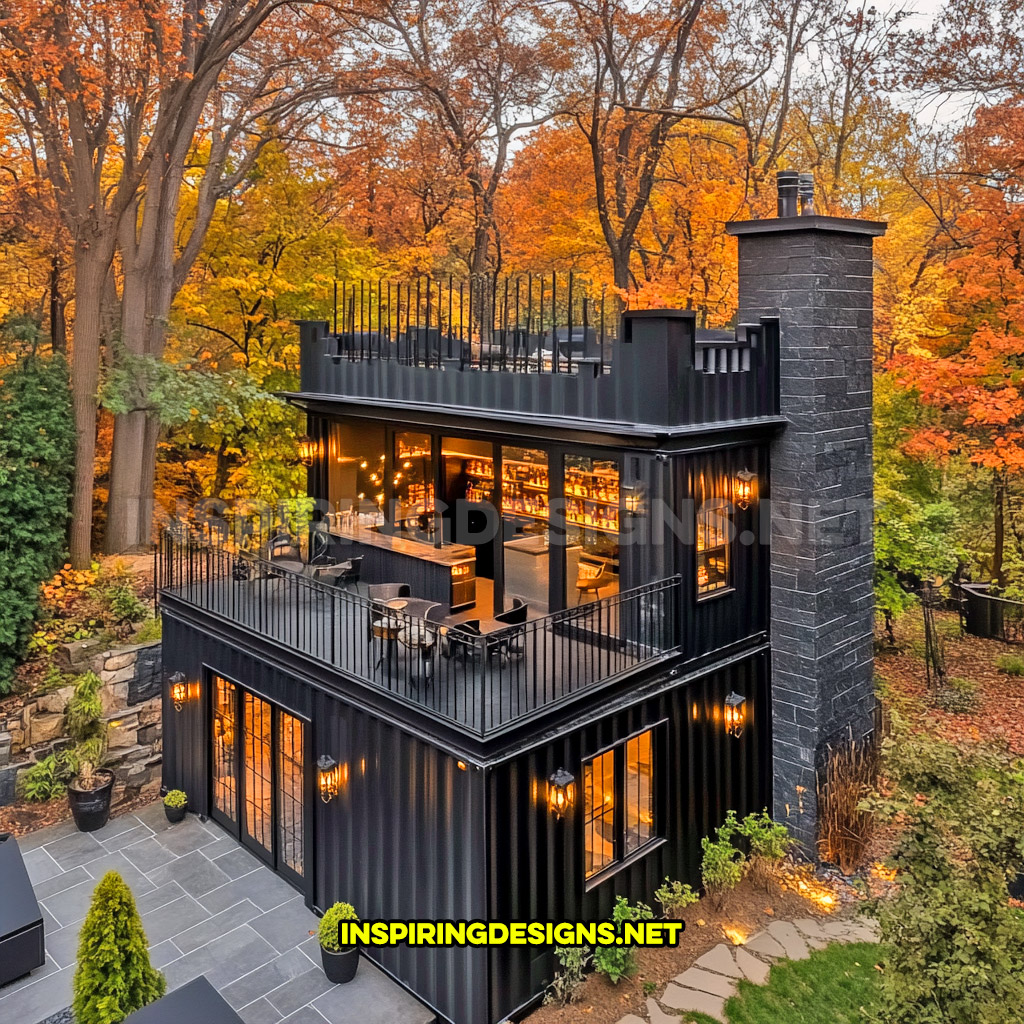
(34, 728)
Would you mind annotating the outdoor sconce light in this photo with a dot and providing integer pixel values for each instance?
(633, 500)
(561, 793)
(179, 689)
(309, 449)
(327, 773)
(744, 488)
(735, 714)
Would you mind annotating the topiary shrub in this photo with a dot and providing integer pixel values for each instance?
(37, 452)
(114, 976)
(176, 798)
(618, 962)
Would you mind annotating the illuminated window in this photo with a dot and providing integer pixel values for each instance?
(618, 802)
(639, 805)
(599, 812)
(714, 529)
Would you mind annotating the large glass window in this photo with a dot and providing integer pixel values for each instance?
(639, 782)
(524, 510)
(225, 777)
(355, 469)
(599, 812)
(592, 527)
(714, 529)
(413, 476)
(618, 816)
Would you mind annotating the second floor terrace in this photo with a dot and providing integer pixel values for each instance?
(476, 677)
(543, 350)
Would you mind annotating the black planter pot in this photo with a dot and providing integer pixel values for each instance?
(91, 807)
(175, 814)
(340, 967)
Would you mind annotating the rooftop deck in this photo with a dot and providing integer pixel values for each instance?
(653, 373)
(481, 685)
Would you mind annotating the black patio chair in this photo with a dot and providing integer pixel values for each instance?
(510, 642)
(462, 641)
(346, 574)
(283, 553)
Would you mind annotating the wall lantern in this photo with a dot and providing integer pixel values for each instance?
(744, 488)
(735, 714)
(179, 689)
(327, 777)
(309, 449)
(633, 500)
(561, 793)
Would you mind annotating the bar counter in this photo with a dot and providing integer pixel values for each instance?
(445, 574)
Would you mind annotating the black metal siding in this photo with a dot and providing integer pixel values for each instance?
(405, 837)
(536, 861)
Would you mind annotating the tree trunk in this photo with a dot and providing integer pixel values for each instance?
(90, 275)
(58, 328)
(129, 428)
(999, 530)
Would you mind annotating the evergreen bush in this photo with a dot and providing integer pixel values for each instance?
(37, 452)
(114, 976)
(329, 923)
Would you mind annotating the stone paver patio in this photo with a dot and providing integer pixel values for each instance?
(707, 985)
(209, 907)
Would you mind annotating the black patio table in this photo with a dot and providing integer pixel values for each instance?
(21, 920)
(197, 1002)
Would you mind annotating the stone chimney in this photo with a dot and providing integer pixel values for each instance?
(815, 273)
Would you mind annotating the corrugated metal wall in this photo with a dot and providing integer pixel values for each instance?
(405, 837)
(536, 861)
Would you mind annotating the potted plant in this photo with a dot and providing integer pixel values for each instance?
(340, 962)
(89, 792)
(175, 805)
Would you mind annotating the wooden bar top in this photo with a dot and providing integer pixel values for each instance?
(449, 554)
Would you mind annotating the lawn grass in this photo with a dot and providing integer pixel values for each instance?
(829, 988)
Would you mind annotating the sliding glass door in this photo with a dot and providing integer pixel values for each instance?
(259, 779)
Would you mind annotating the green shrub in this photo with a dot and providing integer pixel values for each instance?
(565, 989)
(675, 897)
(1011, 664)
(618, 962)
(333, 917)
(150, 630)
(769, 841)
(47, 779)
(721, 868)
(955, 946)
(958, 696)
(114, 976)
(37, 451)
(83, 717)
(124, 605)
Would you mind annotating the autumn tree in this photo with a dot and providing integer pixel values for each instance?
(112, 96)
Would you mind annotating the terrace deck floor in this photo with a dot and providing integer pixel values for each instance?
(209, 907)
(478, 693)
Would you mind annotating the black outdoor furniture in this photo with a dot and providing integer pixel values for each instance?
(462, 640)
(510, 641)
(283, 553)
(344, 574)
(21, 920)
(198, 1002)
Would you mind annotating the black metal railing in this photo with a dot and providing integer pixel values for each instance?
(529, 323)
(481, 683)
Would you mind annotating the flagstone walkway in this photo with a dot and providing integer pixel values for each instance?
(707, 985)
(209, 907)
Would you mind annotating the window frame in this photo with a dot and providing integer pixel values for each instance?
(725, 508)
(620, 859)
